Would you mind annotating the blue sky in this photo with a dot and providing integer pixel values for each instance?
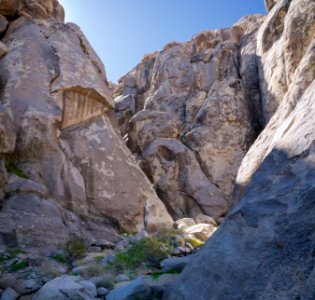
(122, 31)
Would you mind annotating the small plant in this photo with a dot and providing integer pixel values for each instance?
(60, 258)
(13, 169)
(165, 235)
(15, 251)
(99, 258)
(19, 266)
(83, 218)
(76, 247)
(93, 270)
(149, 251)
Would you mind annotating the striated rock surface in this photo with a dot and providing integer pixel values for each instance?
(190, 115)
(75, 176)
(265, 248)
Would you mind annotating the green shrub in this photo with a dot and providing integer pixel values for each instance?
(149, 251)
(13, 169)
(60, 258)
(76, 247)
(19, 266)
(99, 257)
(165, 235)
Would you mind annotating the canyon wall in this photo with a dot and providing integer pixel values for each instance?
(265, 248)
(64, 168)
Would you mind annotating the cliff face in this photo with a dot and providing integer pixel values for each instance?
(190, 113)
(265, 248)
(63, 166)
(222, 124)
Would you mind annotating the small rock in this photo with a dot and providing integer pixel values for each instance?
(187, 250)
(121, 278)
(89, 287)
(104, 244)
(102, 291)
(3, 24)
(176, 263)
(195, 242)
(139, 236)
(32, 284)
(105, 281)
(94, 249)
(184, 223)
(11, 262)
(179, 251)
(201, 231)
(178, 241)
(9, 294)
(136, 289)
(205, 219)
(119, 248)
(79, 270)
(110, 258)
(189, 245)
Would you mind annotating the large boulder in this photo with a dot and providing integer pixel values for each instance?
(66, 287)
(187, 112)
(56, 132)
(264, 249)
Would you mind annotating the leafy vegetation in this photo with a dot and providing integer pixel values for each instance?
(149, 251)
(99, 257)
(76, 247)
(19, 266)
(13, 169)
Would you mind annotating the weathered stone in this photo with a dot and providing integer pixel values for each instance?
(48, 119)
(192, 123)
(177, 263)
(9, 294)
(136, 289)
(24, 186)
(205, 219)
(9, 7)
(89, 287)
(102, 291)
(271, 227)
(3, 24)
(122, 277)
(28, 221)
(184, 223)
(201, 231)
(63, 287)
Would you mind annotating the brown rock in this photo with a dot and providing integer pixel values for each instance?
(9, 7)
(3, 24)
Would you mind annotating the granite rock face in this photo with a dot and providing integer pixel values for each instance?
(265, 248)
(189, 115)
(75, 176)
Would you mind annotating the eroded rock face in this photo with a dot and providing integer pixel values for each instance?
(264, 249)
(41, 9)
(188, 111)
(55, 132)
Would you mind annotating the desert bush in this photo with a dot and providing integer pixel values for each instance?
(76, 247)
(149, 251)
